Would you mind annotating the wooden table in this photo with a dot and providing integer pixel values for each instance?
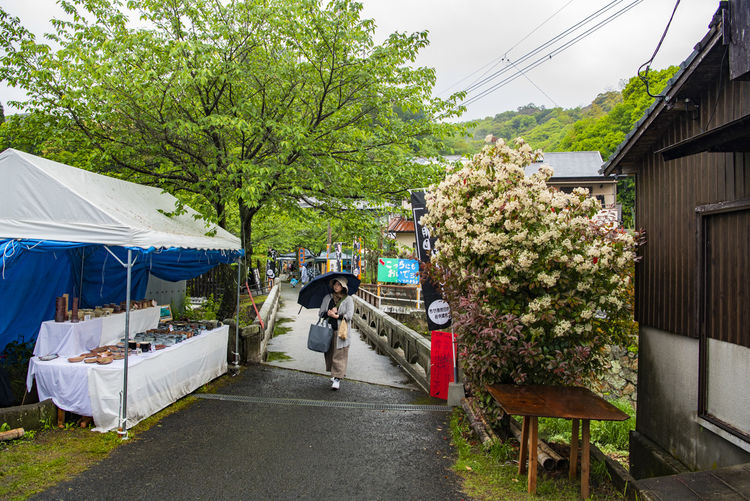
(570, 402)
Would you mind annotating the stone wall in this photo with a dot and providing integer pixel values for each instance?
(620, 377)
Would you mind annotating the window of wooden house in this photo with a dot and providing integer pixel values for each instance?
(723, 311)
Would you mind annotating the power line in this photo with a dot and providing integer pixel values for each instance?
(647, 64)
(548, 43)
(537, 28)
(505, 55)
(550, 55)
(537, 87)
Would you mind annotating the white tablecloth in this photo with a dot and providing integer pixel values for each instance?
(69, 339)
(155, 379)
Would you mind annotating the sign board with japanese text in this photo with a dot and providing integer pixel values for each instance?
(387, 270)
(398, 271)
(408, 271)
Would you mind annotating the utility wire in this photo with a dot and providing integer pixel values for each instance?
(535, 85)
(550, 55)
(492, 63)
(504, 57)
(647, 64)
(547, 57)
(547, 44)
(537, 28)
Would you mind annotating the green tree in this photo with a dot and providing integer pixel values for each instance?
(606, 132)
(244, 104)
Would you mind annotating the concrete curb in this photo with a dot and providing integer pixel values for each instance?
(29, 416)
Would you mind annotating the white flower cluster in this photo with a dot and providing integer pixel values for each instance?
(542, 248)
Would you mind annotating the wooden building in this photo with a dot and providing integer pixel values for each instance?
(690, 154)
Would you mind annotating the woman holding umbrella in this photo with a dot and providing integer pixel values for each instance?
(338, 307)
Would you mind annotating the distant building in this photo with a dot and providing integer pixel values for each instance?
(402, 230)
(573, 169)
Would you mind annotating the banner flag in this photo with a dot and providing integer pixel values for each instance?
(441, 363)
(437, 309)
(357, 258)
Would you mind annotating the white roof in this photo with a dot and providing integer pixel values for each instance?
(46, 200)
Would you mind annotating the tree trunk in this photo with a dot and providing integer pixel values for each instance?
(228, 276)
(228, 303)
(246, 224)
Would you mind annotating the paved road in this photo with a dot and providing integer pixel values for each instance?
(280, 433)
(364, 363)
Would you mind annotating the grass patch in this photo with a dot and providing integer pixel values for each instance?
(612, 437)
(44, 458)
(428, 400)
(277, 356)
(247, 312)
(490, 473)
(279, 329)
(28, 467)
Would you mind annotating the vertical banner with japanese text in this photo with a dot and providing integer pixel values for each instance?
(437, 309)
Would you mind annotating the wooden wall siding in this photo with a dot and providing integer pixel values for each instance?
(728, 277)
(667, 194)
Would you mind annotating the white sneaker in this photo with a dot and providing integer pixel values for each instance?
(336, 384)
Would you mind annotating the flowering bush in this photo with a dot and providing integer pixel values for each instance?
(537, 286)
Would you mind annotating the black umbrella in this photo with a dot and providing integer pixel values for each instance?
(312, 294)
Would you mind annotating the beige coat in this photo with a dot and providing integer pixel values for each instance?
(346, 310)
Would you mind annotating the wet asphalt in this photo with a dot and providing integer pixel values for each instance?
(277, 433)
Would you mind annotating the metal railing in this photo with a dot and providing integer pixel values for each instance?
(406, 347)
(392, 303)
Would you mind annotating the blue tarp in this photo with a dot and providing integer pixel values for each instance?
(33, 273)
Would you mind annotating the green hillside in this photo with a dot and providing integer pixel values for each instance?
(602, 126)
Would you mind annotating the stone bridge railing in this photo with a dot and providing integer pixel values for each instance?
(408, 348)
(254, 339)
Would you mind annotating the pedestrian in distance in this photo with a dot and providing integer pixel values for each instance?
(338, 308)
(303, 274)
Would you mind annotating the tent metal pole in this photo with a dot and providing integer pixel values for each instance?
(123, 430)
(80, 288)
(236, 364)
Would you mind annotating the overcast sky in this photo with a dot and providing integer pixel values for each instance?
(472, 36)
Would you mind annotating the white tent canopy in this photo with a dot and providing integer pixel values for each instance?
(53, 202)
(46, 200)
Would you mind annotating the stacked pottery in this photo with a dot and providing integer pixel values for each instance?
(74, 311)
(60, 309)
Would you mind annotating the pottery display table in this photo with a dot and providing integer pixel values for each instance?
(69, 339)
(155, 379)
(569, 402)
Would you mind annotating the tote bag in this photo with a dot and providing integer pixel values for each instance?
(319, 337)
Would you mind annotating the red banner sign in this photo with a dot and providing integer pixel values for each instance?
(441, 364)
